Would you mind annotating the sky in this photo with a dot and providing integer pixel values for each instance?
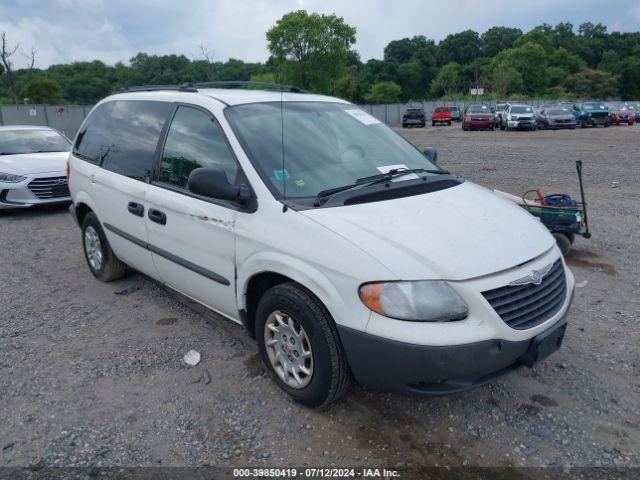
(63, 31)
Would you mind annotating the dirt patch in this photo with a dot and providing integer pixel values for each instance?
(588, 259)
(254, 365)
(544, 400)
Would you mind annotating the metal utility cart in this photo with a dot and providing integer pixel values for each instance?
(564, 217)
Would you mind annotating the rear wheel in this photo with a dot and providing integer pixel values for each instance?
(563, 241)
(300, 347)
(433, 124)
(102, 262)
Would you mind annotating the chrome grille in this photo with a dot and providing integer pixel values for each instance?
(525, 306)
(51, 187)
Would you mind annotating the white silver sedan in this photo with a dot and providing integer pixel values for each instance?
(33, 168)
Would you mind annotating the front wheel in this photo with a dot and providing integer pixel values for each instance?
(300, 347)
(102, 262)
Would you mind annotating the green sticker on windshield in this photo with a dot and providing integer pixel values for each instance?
(281, 174)
(300, 183)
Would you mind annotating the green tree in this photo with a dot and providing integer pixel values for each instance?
(530, 60)
(447, 81)
(591, 83)
(311, 50)
(40, 89)
(496, 39)
(460, 48)
(384, 92)
(569, 62)
(610, 62)
(505, 81)
(630, 78)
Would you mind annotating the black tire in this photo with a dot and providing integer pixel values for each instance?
(583, 123)
(433, 124)
(111, 267)
(331, 375)
(501, 126)
(449, 123)
(563, 241)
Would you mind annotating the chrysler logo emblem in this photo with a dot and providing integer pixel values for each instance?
(534, 277)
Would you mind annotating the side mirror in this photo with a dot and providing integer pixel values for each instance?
(431, 154)
(213, 183)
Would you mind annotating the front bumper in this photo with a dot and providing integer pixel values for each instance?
(39, 189)
(410, 369)
(479, 123)
(557, 125)
(413, 121)
(529, 123)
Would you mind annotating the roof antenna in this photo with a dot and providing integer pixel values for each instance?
(284, 172)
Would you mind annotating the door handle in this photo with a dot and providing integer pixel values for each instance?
(157, 216)
(136, 208)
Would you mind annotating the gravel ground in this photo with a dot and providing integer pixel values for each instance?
(91, 378)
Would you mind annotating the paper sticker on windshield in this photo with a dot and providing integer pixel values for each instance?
(400, 167)
(362, 117)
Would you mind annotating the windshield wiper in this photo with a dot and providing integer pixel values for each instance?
(396, 172)
(373, 180)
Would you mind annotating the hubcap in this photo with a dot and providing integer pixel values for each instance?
(93, 248)
(289, 349)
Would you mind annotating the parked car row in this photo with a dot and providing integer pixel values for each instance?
(519, 116)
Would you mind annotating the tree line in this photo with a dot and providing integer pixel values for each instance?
(316, 52)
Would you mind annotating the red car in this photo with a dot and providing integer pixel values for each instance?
(476, 117)
(621, 116)
(441, 115)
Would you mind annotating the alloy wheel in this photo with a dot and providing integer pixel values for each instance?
(289, 349)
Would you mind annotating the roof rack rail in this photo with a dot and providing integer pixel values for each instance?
(193, 87)
(242, 83)
(185, 87)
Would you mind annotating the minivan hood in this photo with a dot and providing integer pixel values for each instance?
(458, 233)
(27, 163)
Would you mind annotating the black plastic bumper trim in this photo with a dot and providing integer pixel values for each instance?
(410, 369)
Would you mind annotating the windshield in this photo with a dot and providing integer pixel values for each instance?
(32, 141)
(593, 106)
(518, 109)
(478, 109)
(325, 145)
(442, 109)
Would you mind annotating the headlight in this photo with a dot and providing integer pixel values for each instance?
(422, 301)
(10, 178)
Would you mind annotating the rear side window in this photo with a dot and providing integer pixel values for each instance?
(194, 140)
(122, 136)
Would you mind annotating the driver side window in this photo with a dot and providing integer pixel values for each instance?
(194, 140)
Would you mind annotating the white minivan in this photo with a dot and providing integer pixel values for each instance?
(344, 250)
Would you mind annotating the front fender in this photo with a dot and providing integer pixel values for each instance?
(309, 276)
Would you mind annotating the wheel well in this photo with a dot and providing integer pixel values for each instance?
(81, 211)
(258, 285)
